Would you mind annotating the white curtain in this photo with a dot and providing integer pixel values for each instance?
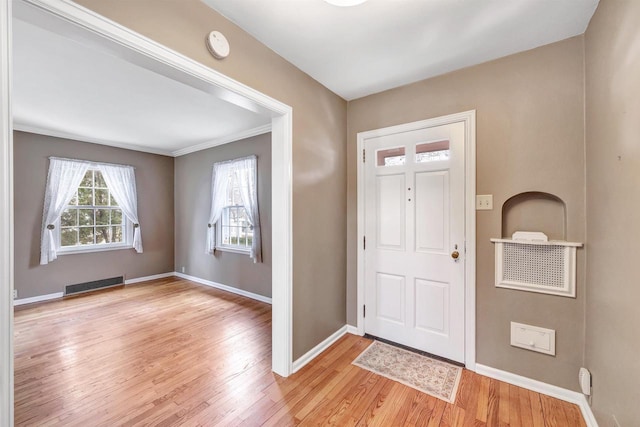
(121, 181)
(219, 188)
(246, 173)
(62, 181)
(244, 170)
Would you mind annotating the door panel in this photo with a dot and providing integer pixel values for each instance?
(432, 210)
(391, 211)
(414, 219)
(432, 306)
(391, 298)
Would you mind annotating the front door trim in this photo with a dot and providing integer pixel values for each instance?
(469, 119)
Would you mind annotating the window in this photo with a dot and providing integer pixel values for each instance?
(432, 151)
(426, 152)
(235, 231)
(80, 210)
(234, 220)
(391, 157)
(92, 220)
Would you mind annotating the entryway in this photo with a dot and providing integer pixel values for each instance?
(416, 187)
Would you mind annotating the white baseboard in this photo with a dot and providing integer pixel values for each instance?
(237, 291)
(57, 295)
(39, 298)
(315, 351)
(544, 388)
(223, 287)
(147, 278)
(352, 330)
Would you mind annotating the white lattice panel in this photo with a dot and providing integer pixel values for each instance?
(545, 267)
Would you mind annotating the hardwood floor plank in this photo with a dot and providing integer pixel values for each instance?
(537, 414)
(553, 413)
(422, 408)
(375, 404)
(453, 416)
(504, 404)
(525, 407)
(366, 392)
(515, 417)
(494, 397)
(173, 353)
(337, 402)
(483, 400)
(406, 407)
(573, 414)
(464, 389)
(471, 407)
(438, 412)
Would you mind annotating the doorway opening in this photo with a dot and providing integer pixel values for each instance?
(75, 22)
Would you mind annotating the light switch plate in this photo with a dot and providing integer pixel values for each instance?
(484, 202)
(533, 338)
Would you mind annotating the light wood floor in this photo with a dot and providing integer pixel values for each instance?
(171, 352)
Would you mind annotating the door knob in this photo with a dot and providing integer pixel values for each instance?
(455, 255)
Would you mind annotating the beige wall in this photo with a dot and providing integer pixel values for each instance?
(192, 206)
(154, 182)
(319, 140)
(530, 137)
(613, 201)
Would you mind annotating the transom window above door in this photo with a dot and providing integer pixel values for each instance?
(425, 152)
(432, 151)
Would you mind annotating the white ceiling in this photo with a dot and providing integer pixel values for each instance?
(65, 88)
(382, 44)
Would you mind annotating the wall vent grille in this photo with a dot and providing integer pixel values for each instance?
(79, 288)
(536, 266)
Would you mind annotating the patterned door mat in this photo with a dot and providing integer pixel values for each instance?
(431, 376)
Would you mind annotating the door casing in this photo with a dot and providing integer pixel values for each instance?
(189, 71)
(469, 120)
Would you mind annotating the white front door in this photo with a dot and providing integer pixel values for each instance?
(414, 256)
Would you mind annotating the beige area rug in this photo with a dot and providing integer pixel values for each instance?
(431, 376)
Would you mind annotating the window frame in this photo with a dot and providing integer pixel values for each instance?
(220, 245)
(127, 230)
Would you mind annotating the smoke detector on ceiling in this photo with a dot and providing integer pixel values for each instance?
(218, 45)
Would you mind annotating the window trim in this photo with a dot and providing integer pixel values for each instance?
(246, 250)
(229, 248)
(127, 230)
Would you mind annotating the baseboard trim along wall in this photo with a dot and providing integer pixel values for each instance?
(352, 330)
(135, 280)
(147, 278)
(48, 297)
(544, 388)
(303, 360)
(39, 298)
(223, 287)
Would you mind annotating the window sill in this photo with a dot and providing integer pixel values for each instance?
(233, 250)
(76, 250)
